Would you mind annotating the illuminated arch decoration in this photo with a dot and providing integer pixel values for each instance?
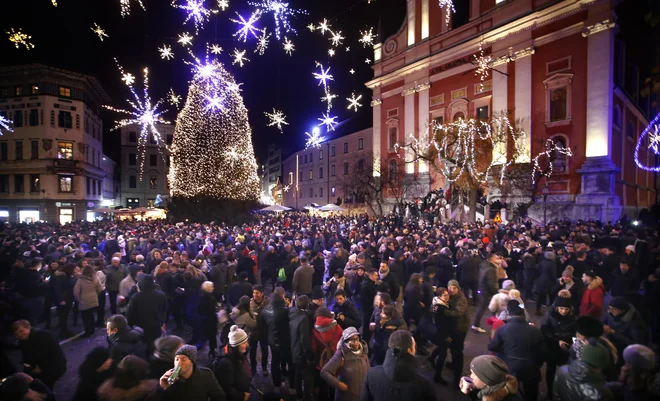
(653, 132)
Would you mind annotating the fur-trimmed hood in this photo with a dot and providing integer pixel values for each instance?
(597, 282)
(108, 392)
(501, 391)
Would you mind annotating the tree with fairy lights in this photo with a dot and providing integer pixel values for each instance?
(212, 155)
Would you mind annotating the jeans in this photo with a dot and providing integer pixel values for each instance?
(484, 299)
(88, 320)
(113, 301)
(254, 341)
(441, 352)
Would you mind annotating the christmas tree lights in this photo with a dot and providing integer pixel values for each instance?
(212, 151)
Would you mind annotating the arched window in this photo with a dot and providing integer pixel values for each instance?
(559, 159)
(459, 116)
(153, 182)
(393, 170)
(393, 136)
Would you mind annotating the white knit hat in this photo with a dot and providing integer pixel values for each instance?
(237, 336)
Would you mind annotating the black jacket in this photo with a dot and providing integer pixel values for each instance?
(29, 283)
(412, 296)
(555, 328)
(89, 384)
(201, 386)
(547, 276)
(522, 347)
(396, 380)
(367, 294)
(579, 382)
(147, 309)
(576, 291)
(487, 280)
(41, 349)
(232, 374)
(629, 328)
(301, 341)
(392, 285)
(350, 312)
(237, 290)
(469, 270)
(275, 319)
(125, 343)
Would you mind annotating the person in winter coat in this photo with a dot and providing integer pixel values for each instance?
(523, 349)
(468, 268)
(504, 314)
(63, 296)
(122, 339)
(95, 369)
(325, 334)
(390, 279)
(487, 288)
(639, 379)
(348, 367)
(498, 301)
(547, 276)
(624, 280)
(445, 267)
(345, 311)
(588, 328)
(208, 318)
(302, 355)
(623, 325)
(86, 292)
(243, 317)
(386, 323)
(490, 380)
(32, 288)
(273, 322)
(530, 271)
(460, 324)
(256, 338)
(148, 310)
(397, 379)
(240, 288)
(231, 366)
(566, 282)
(413, 307)
(20, 386)
(115, 272)
(43, 356)
(594, 293)
(582, 379)
(302, 278)
(558, 329)
(162, 358)
(442, 337)
(129, 383)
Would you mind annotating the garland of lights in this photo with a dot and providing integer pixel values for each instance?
(212, 151)
(550, 148)
(196, 11)
(449, 9)
(126, 7)
(19, 38)
(281, 14)
(5, 124)
(652, 131)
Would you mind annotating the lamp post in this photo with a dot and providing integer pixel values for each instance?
(544, 190)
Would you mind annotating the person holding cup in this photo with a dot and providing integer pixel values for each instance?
(490, 379)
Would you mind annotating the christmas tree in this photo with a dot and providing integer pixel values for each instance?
(212, 153)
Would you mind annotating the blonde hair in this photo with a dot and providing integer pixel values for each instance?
(514, 294)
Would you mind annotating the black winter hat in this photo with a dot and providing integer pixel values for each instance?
(589, 326)
(562, 302)
(515, 308)
(317, 293)
(620, 303)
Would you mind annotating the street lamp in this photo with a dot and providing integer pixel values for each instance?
(544, 190)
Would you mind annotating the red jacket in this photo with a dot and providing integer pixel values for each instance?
(592, 299)
(327, 330)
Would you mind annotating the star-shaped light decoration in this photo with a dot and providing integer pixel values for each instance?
(166, 52)
(19, 38)
(331, 52)
(315, 139)
(311, 27)
(289, 47)
(483, 66)
(328, 121)
(352, 71)
(367, 61)
(215, 102)
(100, 32)
(5, 124)
(328, 98)
(262, 42)
(654, 140)
(277, 118)
(223, 4)
(336, 38)
(196, 11)
(367, 37)
(449, 9)
(173, 98)
(354, 102)
(239, 57)
(286, 188)
(323, 76)
(247, 27)
(348, 49)
(126, 7)
(216, 49)
(281, 14)
(324, 26)
(128, 78)
(185, 39)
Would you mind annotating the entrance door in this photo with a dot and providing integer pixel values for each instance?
(66, 215)
(28, 216)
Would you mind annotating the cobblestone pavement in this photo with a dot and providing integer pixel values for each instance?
(76, 348)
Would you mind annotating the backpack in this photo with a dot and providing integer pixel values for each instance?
(281, 275)
(327, 352)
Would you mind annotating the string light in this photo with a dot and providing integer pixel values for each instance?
(100, 32)
(652, 131)
(262, 43)
(223, 4)
(125, 6)
(5, 124)
(289, 47)
(19, 38)
(328, 121)
(239, 57)
(448, 5)
(144, 113)
(354, 102)
(247, 27)
(324, 26)
(216, 49)
(281, 14)
(336, 38)
(212, 153)
(166, 52)
(215, 102)
(323, 76)
(550, 148)
(311, 27)
(315, 139)
(173, 98)
(483, 66)
(331, 52)
(196, 11)
(185, 39)
(367, 38)
(277, 118)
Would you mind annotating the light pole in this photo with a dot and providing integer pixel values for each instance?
(544, 190)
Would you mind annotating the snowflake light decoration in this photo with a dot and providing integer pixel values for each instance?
(367, 37)
(652, 131)
(239, 57)
(367, 61)
(173, 98)
(323, 76)
(354, 102)
(5, 124)
(324, 26)
(166, 52)
(196, 12)
(100, 32)
(19, 38)
(286, 188)
(247, 27)
(143, 113)
(289, 47)
(331, 52)
(311, 27)
(262, 42)
(483, 66)
(277, 118)
(281, 14)
(126, 7)
(328, 121)
(128, 78)
(215, 103)
(328, 98)
(352, 71)
(53, 2)
(348, 49)
(223, 4)
(654, 140)
(336, 38)
(315, 139)
(216, 49)
(185, 39)
(449, 9)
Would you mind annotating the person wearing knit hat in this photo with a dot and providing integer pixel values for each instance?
(192, 383)
(491, 379)
(583, 379)
(231, 367)
(162, 358)
(624, 325)
(639, 357)
(189, 351)
(558, 329)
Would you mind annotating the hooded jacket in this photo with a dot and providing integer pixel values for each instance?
(232, 374)
(148, 308)
(348, 367)
(326, 331)
(396, 380)
(592, 299)
(580, 382)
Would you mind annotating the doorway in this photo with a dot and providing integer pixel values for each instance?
(66, 215)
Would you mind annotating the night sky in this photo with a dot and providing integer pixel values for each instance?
(63, 38)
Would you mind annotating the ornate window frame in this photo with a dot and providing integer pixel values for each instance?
(392, 123)
(557, 81)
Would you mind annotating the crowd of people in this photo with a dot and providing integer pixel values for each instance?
(339, 307)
